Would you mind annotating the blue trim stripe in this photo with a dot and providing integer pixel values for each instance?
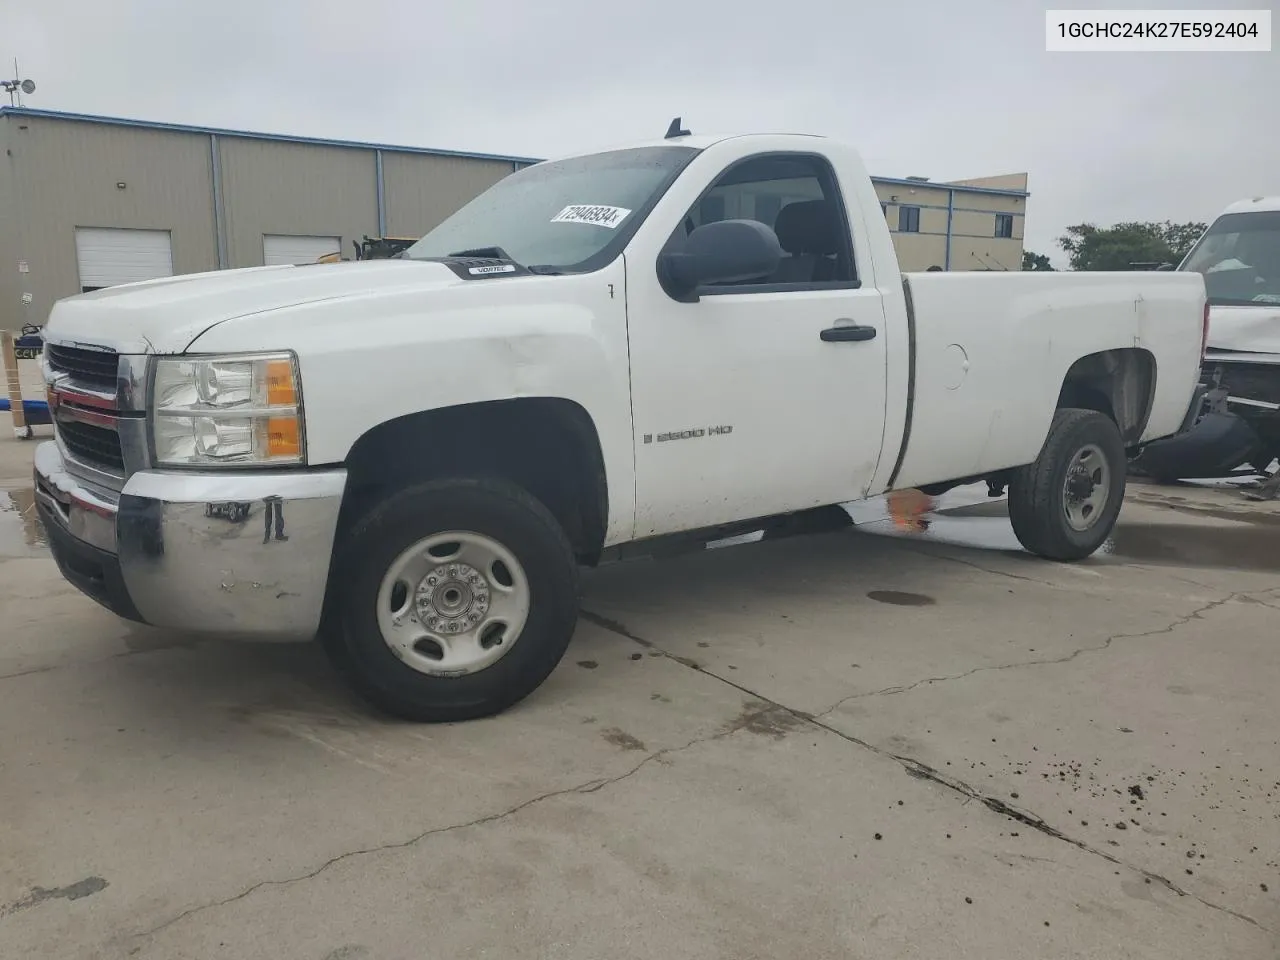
(958, 236)
(382, 193)
(252, 135)
(516, 162)
(219, 211)
(951, 215)
(942, 206)
(943, 185)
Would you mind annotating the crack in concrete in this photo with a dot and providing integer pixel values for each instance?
(1196, 614)
(586, 787)
(977, 566)
(27, 673)
(140, 651)
(49, 668)
(1166, 572)
(923, 771)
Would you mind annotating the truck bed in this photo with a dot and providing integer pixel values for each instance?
(983, 347)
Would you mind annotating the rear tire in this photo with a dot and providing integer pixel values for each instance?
(452, 553)
(1064, 505)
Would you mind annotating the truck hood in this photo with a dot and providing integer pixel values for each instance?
(1254, 329)
(166, 315)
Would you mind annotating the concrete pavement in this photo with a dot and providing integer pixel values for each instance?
(848, 744)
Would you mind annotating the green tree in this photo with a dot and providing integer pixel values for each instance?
(1035, 261)
(1091, 247)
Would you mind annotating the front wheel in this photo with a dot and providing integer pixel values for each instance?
(1065, 504)
(455, 599)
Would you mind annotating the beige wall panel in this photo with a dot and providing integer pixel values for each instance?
(272, 187)
(64, 174)
(422, 190)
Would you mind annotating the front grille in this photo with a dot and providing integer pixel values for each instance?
(95, 445)
(96, 367)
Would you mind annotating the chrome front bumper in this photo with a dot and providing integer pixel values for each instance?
(240, 554)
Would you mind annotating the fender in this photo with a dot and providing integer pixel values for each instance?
(369, 360)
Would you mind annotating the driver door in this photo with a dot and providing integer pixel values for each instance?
(741, 408)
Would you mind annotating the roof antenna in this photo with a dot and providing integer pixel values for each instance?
(17, 87)
(675, 130)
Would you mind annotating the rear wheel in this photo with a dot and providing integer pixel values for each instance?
(455, 600)
(1065, 504)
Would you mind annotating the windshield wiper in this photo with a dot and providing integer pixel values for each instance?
(497, 253)
(493, 253)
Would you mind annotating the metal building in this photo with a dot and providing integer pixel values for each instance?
(956, 225)
(88, 202)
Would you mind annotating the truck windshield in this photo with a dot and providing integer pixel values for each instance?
(564, 215)
(1239, 256)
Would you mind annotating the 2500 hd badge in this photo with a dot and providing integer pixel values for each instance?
(690, 434)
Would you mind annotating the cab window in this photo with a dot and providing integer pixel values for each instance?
(796, 196)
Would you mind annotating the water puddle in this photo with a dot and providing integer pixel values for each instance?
(1227, 546)
(964, 517)
(1216, 536)
(21, 532)
(1240, 541)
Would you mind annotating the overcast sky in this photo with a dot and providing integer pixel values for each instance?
(924, 87)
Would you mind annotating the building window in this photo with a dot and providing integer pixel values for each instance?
(884, 210)
(908, 219)
(1004, 225)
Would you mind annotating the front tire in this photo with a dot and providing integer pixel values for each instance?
(1064, 505)
(454, 600)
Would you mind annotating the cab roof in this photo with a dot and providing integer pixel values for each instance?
(694, 141)
(1254, 205)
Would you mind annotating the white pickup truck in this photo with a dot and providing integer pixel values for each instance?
(411, 458)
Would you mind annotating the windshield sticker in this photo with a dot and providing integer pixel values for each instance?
(599, 216)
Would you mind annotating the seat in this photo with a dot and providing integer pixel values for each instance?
(808, 232)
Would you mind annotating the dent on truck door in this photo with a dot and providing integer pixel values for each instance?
(758, 397)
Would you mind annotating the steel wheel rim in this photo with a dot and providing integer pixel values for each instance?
(453, 604)
(1087, 487)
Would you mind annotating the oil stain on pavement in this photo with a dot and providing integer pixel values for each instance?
(38, 895)
(901, 599)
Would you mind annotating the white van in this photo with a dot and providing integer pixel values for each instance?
(1239, 256)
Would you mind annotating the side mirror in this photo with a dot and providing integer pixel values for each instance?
(727, 251)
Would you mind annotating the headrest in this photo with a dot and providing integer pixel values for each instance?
(808, 226)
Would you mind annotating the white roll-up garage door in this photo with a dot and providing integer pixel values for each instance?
(108, 256)
(278, 249)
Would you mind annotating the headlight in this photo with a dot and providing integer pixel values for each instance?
(237, 410)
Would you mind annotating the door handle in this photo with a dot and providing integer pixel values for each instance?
(853, 331)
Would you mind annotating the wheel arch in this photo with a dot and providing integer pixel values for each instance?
(1120, 383)
(547, 445)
